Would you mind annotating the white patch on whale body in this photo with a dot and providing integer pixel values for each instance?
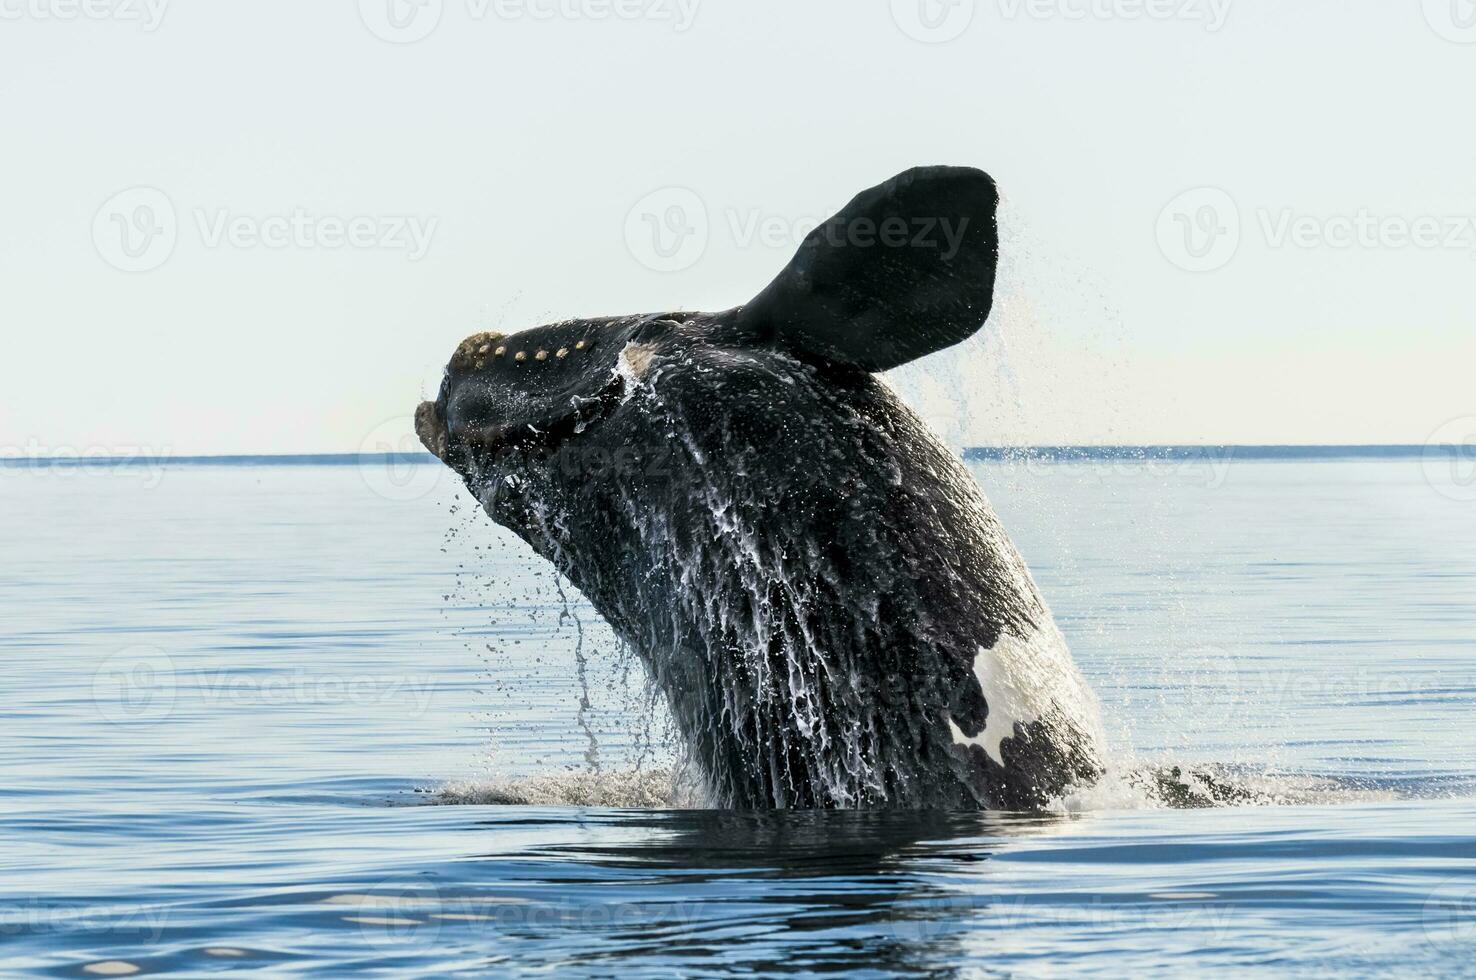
(1026, 681)
(633, 364)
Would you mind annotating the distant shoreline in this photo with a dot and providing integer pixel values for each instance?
(1003, 454)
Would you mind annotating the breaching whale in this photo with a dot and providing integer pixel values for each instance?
(814, 581)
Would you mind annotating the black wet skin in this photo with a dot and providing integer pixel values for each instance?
(806, 571)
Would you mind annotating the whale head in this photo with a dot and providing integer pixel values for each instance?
(810, 576)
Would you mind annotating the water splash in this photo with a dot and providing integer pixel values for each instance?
(631, 789)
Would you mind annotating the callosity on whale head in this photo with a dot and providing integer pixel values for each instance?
(817, 585)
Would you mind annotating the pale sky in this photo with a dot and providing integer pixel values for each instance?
(501, 164)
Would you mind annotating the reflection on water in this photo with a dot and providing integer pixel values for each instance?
(231, 693)
(429, 891)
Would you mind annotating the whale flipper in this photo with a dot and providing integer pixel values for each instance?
(906, 269)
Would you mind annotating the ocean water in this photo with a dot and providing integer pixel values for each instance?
(318, 719)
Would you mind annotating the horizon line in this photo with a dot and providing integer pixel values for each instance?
(1126, 452)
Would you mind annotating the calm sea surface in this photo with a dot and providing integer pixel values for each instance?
(327, 719)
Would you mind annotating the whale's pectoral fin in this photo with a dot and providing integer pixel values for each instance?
(906, 269)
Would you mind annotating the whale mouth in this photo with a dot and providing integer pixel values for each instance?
(546, 431)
